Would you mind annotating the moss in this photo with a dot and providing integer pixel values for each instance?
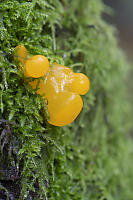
(92, 157)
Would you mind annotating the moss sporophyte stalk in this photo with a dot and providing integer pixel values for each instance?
(61, 88)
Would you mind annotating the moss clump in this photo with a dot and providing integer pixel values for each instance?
(92, 157)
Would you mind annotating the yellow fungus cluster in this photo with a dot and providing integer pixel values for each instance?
(61, 89)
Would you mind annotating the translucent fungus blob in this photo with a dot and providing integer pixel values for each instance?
(61, 89)
(36, 66)
(20, 53)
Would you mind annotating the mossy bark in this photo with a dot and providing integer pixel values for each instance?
(90, 159)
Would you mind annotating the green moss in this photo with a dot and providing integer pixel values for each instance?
(92, 157)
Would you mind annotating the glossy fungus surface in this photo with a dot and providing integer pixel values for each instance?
(61, 92)
(60, 89)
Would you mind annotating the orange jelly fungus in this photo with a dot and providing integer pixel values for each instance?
(36, 66)
(61, 89)
(61, 92)
(21, 53)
